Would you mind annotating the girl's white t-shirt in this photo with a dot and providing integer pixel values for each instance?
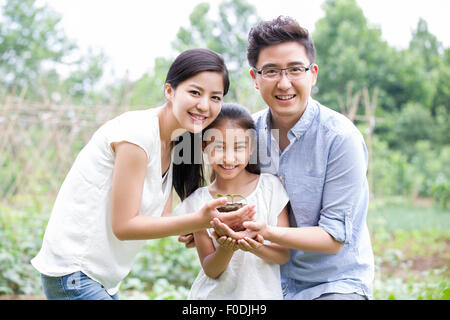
(79, 235)
(247, 277)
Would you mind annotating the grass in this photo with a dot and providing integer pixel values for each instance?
(410, 240)
(396, 213)
(411, 245)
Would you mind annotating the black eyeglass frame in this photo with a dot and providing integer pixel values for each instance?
(282, 69)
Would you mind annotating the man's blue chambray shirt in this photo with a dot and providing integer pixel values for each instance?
(324, 172)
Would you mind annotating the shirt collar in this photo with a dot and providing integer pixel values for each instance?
(302, 124)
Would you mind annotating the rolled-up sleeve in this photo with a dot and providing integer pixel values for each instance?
(343, 186)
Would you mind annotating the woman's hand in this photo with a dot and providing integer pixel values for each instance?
(235, 219)
(209, 211)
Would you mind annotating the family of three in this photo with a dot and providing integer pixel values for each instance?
(300, 167)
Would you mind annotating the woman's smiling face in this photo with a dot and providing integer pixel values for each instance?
(196, 102)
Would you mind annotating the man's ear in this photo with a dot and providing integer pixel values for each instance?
(168, 91)
(252, 73)
(315, 72)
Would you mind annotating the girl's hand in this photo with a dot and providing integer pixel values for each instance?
(227, 243)
(221, 229)
(188, 240)
(248, 244)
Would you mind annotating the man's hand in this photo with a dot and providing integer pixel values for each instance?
(188, 240)
(259, 227)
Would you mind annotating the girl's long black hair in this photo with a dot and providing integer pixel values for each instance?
(188, 175)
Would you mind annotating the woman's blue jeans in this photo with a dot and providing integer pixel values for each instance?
(74, 286)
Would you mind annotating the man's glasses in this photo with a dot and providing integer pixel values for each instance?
(292, 73)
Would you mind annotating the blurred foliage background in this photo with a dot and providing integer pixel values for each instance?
(51, 103)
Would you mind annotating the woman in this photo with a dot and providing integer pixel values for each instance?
(119, 189)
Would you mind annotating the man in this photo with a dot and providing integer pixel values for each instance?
(321, 159)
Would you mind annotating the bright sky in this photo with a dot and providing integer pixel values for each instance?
(133, 32)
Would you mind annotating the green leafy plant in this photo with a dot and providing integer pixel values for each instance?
(232, 196)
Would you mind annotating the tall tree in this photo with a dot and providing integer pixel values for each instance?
(29, 37)
(426, 44)
(226, 35)
(33, 47)
(436, 66)
(148, 90)
(350, 52)
(442, 96)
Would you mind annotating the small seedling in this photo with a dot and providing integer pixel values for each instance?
(231, 206)
(232, 196)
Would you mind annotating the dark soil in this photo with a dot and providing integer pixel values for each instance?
(419, 264)
(229, 207)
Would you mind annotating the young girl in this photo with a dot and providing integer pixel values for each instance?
(253, 271)
(119, 188)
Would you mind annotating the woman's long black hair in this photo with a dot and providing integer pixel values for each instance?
(188, 175)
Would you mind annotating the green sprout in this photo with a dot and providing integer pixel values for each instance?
(232, 196)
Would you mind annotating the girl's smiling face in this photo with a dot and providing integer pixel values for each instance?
(228, 149)
(196, 102)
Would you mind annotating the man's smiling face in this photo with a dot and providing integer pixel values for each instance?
(286, 98)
